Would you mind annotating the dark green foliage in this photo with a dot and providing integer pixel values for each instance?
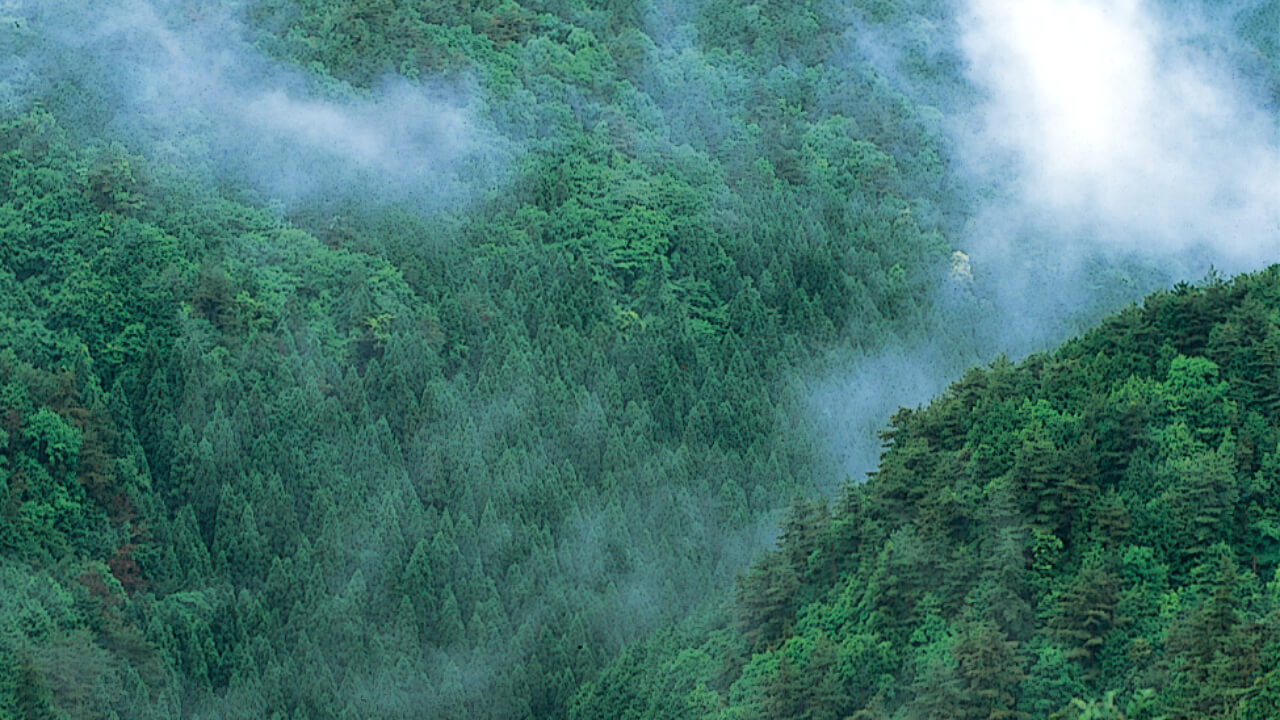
(1011, 573)
(354, 457)
(346, 457)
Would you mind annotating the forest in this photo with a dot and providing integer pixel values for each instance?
(569, 359)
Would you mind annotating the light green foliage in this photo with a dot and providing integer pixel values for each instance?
(1072, 590)
(57, 441)
(340, 457)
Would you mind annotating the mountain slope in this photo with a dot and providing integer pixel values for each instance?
(350, 454)
(1091, 532)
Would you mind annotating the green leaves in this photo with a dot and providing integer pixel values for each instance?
(311, 404)
(58, 441)
(1073, 543)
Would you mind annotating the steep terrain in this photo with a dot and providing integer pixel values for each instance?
(415, 359)
(353, 452)
(1093, 532)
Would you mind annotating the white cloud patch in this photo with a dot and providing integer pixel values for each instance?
(192, 87)
(1130, 125)
(1109, 147)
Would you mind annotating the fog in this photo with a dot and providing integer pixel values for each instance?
(189, 87)
(1113, 147)
(1123, 123)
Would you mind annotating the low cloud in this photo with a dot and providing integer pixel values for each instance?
(1122, 126)
(191, 86)
(1109, 147)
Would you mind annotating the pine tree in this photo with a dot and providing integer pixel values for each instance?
(763, 598)
(1086, 613)
(32, 699)
(1217, 651)
(785, 693)
(991, 668)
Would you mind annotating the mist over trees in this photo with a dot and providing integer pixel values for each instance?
(450, 360)
(1088, 533)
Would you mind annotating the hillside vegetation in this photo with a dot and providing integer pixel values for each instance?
(357, 456)
(1090, 533)
(302, 433)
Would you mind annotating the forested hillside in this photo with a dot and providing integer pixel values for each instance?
(403, 358)
(352, 456)
(1091, 533)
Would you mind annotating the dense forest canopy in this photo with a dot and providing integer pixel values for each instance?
(415, 358)
(1091, 533)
